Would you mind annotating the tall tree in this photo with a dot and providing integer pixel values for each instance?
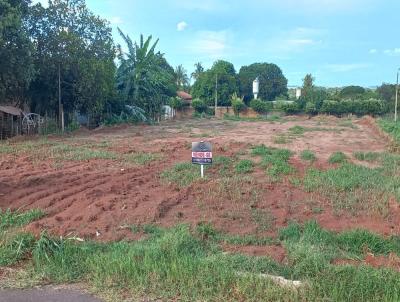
(307, 90)
(71, 41)
(198, 70)
(272, 81)
(144, 77)
(16, 65)
(182, 79)
(222, 74)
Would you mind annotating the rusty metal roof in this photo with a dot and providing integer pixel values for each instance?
(11, 110)
(184, 95)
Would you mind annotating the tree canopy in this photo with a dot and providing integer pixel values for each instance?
(144, 77)
(272, 81)
(223, 74)
(16, 62)
(70, 39)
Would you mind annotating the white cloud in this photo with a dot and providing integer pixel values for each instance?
(346, 67)
(392, 52)
(181, 26)
(373, 51)
(212, 44)
(294, 41)
(116, 20)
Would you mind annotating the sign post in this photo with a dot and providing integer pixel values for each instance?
(202, 155)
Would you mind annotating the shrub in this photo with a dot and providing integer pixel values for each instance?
(288, 107)
(237, 104)
(260, 106)
(199, 106)
(175, 103)
(331, 107)
(310, 108)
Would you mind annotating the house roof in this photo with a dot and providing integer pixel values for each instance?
(11, 110)
(184, 95)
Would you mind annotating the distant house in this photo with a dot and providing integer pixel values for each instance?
(10, 121)
(186, 97)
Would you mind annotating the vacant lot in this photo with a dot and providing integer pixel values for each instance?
(106, 181)
(317, 198)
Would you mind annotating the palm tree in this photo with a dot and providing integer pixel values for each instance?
(143, 76)
(198, 70)
(182, 79)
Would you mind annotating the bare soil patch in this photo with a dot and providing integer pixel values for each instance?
(100, 198)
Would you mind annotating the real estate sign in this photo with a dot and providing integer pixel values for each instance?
(202, 153)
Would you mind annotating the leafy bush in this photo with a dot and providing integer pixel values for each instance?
(237, 104)
(310, 108)
(260, 106)
(358, 107)
(175, 103)
(288, 107)
(331, 107)
(199, 106)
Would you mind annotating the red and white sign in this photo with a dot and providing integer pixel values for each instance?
(202, 155)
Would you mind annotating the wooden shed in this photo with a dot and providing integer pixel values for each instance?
(10, 121)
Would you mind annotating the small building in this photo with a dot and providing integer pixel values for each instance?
(10, 121)
(185, 97)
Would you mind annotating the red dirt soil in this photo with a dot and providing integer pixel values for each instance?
(82, 198)
(392, 261)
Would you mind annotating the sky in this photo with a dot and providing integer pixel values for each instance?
(340, 42)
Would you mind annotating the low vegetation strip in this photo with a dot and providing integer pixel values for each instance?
(170, 261)
(393, 129)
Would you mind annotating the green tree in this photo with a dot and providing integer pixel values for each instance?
(71, 41)
(182, 79)
(308, 88)
(352, 92)
(198, 70)
(222, 74)
(16, 64)
(272, 81)
(144, 77)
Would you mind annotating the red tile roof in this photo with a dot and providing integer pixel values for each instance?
(184, 95)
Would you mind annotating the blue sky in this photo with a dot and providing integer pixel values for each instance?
(341, 42)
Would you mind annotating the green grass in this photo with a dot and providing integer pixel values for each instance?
(13, 219)
(367, 156)
(142, 158)
(357, 188)
(308, 155)
(392, 128)
(244, 166)
(189, 264)
(337, 158)
(275, 161)
(182, 174)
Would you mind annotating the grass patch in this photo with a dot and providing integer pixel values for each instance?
(14, 219)
(356, 188)
(367, 156)
(275, 161)
(337, 158)
(182, 174)
(308, 155)
(142, 158)
(244, 166)
(393, 129)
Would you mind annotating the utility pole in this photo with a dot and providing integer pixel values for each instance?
(397, 96)
(216, 93)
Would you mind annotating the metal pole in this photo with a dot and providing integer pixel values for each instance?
(202, 171)
(397, 94)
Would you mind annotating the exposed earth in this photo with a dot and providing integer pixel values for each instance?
(103, 198)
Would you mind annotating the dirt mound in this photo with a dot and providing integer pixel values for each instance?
(378, 261)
